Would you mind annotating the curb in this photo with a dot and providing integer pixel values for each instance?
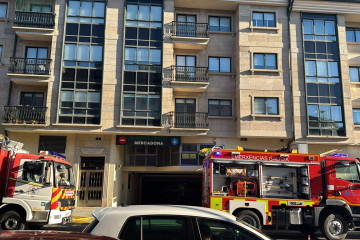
(82, 219)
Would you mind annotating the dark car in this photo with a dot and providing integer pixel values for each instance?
(49, 235)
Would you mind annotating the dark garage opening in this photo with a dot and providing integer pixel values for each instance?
(171, 189)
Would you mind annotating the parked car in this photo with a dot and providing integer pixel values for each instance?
(163, 222)
(49, 235)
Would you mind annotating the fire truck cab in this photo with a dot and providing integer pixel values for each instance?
(284, 190)
(35, 189)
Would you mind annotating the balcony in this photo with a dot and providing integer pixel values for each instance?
(189, 35)
(24, 115)
(34, 25)
(184, 122)
(29, 68)
(189, 79)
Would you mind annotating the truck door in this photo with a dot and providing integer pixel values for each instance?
(346, 180)
(34, 183)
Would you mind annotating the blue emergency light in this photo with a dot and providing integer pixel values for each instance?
(57, 154)
(217, 153)
(340, 155)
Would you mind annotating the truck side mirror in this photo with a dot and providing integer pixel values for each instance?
(346, 164)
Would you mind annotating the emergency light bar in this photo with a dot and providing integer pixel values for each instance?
(340, 155)
(58, 155)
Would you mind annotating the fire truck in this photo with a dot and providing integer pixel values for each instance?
(35, 189)
(284, 189)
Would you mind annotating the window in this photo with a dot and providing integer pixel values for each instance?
(190, 153)
(220, 108)
(354, 74)
(3, 10)
(220, 24)
(32, 99)
(155, 227)
(347, 171)
(222, 230)
(219, 64)
(263, 19)
(142, 56)
(356, 116)
(52, 143)
(352, 34)
(34, 171)
(266, 106)
(265, 61)
(1, 48)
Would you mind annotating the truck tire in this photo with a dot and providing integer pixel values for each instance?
(11, 220)
(307, 229)
(333, 226)
(249, 217)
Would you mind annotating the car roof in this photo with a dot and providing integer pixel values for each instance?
(178, 210)
(37, 235)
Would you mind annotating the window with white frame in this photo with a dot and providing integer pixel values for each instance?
(263, 19)
(354, 74)
(265, 61)
(3, 10)
(266, 106)
(219, 64)
(356, 116)
(220, 24)
(220, 107)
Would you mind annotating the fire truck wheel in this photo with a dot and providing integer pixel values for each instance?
(11, 220)
(250, 217)
(334, 226)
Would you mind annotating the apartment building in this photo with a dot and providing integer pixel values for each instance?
(131, 90)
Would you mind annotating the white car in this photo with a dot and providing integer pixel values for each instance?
(165, 222)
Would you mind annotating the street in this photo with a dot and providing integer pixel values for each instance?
(276, 234)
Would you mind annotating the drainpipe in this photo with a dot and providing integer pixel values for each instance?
(289, 9)
(11, 83)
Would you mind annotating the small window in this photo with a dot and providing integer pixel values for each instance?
(219, 64)
(220, 108)
(220, 24)
(353, 35)
(52, 143)
(33, 171)
(354, 74)
(261, 19)
(265, 61)
(266, 106)
(3, 10)
(356, 116)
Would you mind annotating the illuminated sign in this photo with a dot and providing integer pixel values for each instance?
(147, 140)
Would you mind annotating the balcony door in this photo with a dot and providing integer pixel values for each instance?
(32, 99)
(186, 25)
(185, 68)
(36, 60)
(185, 113)
(40, 8)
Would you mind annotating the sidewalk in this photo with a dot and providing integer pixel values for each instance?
(83, 214)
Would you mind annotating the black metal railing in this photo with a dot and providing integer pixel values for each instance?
(185, 120)
(37, 66)
(189, 74)
(24, 115)
(189, 29)
(34, 19)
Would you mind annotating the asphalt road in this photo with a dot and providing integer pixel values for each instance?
(276, 234)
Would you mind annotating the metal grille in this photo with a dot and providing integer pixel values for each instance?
(36, 66)
(96, 179)
(189, 29)
(94, 195)
(34, 19)
(185, 120)
(24, 114)
(189, 74)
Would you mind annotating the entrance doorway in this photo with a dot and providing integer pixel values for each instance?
(91, 181)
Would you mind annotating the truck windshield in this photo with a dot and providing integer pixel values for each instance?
(348, 172)
(64, 175)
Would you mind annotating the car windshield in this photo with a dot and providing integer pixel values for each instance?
(64, 175)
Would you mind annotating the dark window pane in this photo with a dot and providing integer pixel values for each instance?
(52, 143)
(129, 88)
(335, 90)
(156, 34)
(98, 40)
(144, 33)
(82, 75)
(70, 39)
(155, 79)
(312, 89)
(85, 29)
(312, 99)
(68, 74)
(130, 42)
(323, 90)
(84, 39)
(332, 47)
(142, 78)
(314, 131)
(72, 29)
(143, 43)
(129, 77)
(309, 46)
(320, 47)
(131, 33)
(98, 30)
(95, 75)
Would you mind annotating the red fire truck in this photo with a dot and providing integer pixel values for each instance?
(35, 189)
(284, 190)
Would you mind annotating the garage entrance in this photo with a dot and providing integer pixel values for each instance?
(171, 189)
